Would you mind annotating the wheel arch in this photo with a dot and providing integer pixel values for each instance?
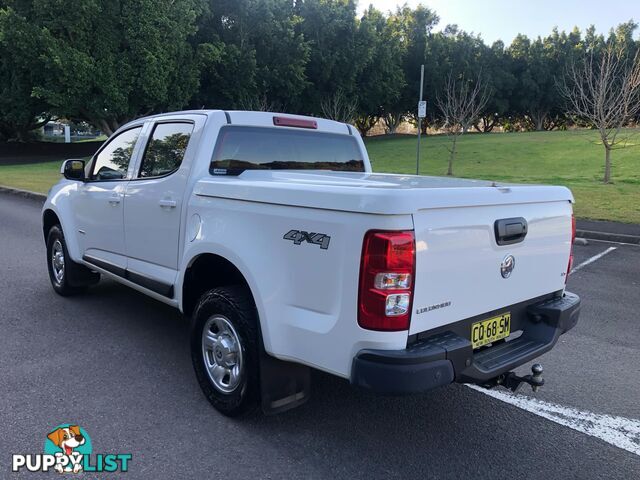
(49, 219)
(206, 271)
(55, 213)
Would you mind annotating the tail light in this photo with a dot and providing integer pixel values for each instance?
(387, 276)
(573, 237)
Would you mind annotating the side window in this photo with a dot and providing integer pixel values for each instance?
(112, 162)
(165, 149)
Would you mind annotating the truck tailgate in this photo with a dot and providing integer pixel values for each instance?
(458, 260)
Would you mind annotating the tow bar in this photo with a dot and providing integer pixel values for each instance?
(513, 382)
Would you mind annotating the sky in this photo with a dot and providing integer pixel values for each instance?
(504, 19)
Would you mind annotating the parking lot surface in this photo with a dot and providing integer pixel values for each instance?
(117, 363)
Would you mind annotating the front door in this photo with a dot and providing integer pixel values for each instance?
(100, 203)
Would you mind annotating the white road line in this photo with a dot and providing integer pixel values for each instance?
(617, 243)
(618, 431)
(593, 259)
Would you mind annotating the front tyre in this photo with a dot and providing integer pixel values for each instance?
(60, 265)
(224, 349)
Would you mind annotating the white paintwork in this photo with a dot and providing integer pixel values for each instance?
(620, 432)
(154, 207)
(458, 260)
(98, 208)
(306, 297)
(372, 192)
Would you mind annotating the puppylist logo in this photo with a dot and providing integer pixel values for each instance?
(68, 449)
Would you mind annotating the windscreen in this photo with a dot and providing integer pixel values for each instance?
(241, 148)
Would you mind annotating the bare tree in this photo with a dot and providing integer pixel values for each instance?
(339, 107)
(364, 123)
(392, 121)
(258, 104)
(461, 104)
(603, 89)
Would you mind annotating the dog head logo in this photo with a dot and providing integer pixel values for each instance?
(69, 443)
(67, 439)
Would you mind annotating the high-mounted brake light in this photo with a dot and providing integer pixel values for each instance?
(294, 122)
(573, 237)
(387, 276)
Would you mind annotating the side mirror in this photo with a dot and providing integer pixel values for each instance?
(73, 169)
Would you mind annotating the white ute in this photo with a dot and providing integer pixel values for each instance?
(272, 235)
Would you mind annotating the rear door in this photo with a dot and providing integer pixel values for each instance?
(100, 204)
(459, 261)
(154, 202)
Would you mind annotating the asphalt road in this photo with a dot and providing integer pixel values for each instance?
(117, 363)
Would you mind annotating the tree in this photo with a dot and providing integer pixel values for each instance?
(20, 68)
(495, 62)
(226, 59)
(542, 96)
(282, 53)
(604, 91)
(339, 107)
(335, 58)
(534, 101)
(461, 103)
(250, 52)
(108, 62)
(415, 27)
(534, 89)
(552, 56)
(381, 78)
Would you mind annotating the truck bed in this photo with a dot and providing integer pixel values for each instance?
(373, 193)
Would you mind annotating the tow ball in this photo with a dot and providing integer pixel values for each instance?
(513, 382)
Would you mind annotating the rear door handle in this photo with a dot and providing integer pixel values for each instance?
(510, 230)
(164, 203)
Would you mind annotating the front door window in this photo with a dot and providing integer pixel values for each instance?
(112, 161)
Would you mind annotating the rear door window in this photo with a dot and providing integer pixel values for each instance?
(242, 148)
(165, 150)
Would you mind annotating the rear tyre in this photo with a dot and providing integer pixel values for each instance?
(67, 277)
(225, 349)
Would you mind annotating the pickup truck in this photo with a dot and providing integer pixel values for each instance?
(285, 252)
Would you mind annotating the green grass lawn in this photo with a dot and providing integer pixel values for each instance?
(568, 158)
(560, 158)
(37, 177)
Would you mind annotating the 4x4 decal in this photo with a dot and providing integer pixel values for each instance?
(297, 237)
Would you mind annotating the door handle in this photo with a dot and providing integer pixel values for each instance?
(510, 230)
(165, 203)
(114, 199)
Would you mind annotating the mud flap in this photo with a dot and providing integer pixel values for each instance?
(283, 385)
(80, 276)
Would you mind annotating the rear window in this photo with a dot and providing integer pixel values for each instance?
(263, 148)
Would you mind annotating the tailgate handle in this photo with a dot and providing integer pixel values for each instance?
(510, 230)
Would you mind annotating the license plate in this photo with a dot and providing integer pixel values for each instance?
(491, 330)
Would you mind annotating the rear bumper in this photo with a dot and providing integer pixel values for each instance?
(446, 356)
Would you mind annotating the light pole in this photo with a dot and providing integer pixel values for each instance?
(422, 112)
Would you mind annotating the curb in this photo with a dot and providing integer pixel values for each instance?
(41, 197)
(608, 237)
